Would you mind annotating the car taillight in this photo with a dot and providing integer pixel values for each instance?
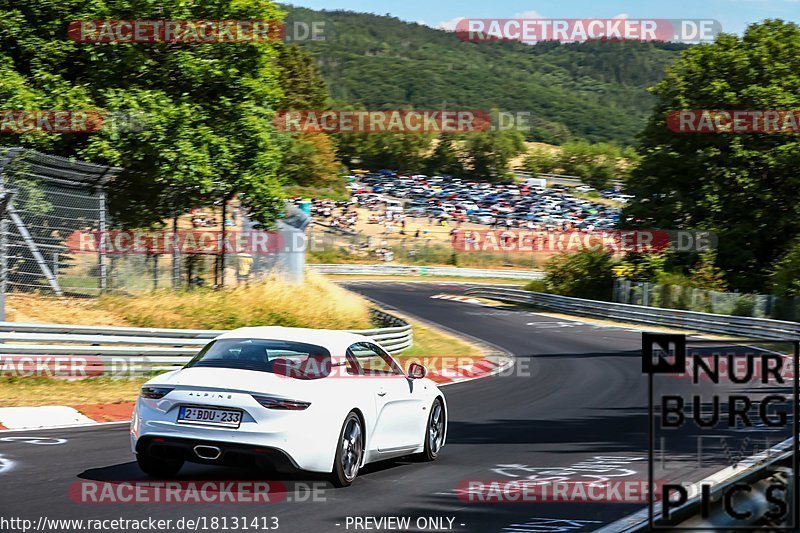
(271, 402)
(155, 393)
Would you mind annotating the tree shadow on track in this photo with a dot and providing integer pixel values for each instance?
(130, 472)
(627, 428)
(583, 355)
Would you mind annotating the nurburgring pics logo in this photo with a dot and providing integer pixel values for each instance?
(734, 121)
(730, 403)
(533, 30)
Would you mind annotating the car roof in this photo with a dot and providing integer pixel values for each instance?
(335, 341)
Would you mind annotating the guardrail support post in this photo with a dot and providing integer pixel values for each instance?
(101, 257)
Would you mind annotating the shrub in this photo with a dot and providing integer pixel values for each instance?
(536, 285)
(586, 274)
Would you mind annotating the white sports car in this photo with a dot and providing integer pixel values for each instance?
(288, 398)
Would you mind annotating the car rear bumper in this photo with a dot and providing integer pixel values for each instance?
(308, 442)
(230, 454)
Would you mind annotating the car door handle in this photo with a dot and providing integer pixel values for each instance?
(382, 393)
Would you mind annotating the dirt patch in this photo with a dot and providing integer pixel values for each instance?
(115, 412)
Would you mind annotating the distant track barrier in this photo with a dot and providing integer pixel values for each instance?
(760, 328)
(413, 270)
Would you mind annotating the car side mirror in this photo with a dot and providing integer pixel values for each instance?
(417, 371)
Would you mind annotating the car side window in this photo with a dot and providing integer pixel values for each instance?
(370, 360)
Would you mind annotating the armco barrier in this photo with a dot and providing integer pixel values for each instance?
(413, 270)
(760, 328)
(151, 348)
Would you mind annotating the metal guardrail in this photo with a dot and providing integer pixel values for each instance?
(413, 270)
(761, 328)
(558, 179)
(753, 471)
(148, 349)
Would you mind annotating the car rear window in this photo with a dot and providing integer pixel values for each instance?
(293, 359)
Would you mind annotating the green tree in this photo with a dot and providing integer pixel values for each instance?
(705, 274)
(586, 274)
(445, 158)
(309, 159)
(541, 160)
(303, 87)
(600, 174)
(204, 109)
(785, 275)
(399, 151)
(744, 187)
(490, 152)
(597, 163)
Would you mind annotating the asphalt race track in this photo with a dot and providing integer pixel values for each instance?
(575, 407)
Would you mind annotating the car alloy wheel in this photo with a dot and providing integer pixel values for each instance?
(436, 428)
(352, 449)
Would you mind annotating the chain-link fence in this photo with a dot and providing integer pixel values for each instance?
(335, 245)
(57, 237)
(54, 200)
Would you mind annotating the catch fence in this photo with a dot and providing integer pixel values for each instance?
(56, 236)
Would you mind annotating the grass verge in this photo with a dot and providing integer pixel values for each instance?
(430, 279)
(30, 392)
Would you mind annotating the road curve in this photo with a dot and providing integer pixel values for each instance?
(577, 394)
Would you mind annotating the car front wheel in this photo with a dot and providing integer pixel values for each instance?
(434, 431)
(349, 451)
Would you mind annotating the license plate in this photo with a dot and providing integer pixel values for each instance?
(205, 415)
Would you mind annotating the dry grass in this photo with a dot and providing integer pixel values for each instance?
(28, 392)
(443, 280)
(317, 303)
(52, 310)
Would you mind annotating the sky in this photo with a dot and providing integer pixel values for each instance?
(733, 15)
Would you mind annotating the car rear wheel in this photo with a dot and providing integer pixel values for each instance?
(158, 467)
(434, 431)
(349, 451)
